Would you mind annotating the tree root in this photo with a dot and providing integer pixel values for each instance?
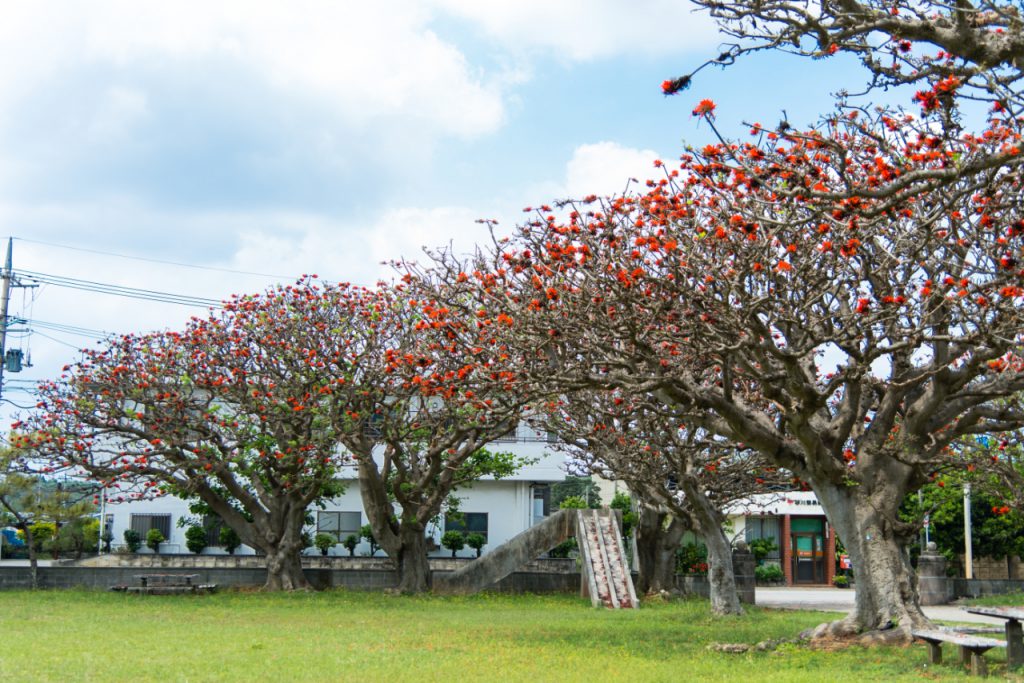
(846, 631)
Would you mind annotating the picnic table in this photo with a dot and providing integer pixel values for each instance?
(166, 584)
(1014, 634)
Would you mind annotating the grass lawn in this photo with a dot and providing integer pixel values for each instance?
(1009, 599)
(336, 635)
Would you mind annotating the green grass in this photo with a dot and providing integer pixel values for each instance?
(336, 635)
(1009, 599)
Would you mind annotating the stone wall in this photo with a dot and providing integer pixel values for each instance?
(990, 568)
(360, 573)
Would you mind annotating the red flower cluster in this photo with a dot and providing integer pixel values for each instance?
(705, 109)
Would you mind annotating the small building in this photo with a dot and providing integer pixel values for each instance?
(498, 509)
(796, 521)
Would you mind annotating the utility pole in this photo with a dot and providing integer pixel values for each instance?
(5, 297)
(968, 542)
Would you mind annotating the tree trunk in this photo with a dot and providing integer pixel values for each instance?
(656, 546)
(33, 557)
(406, 545)
(865, 518)
(411, 560)
(721, 578)
(284, 569)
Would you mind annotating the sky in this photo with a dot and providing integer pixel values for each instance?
(211, 148)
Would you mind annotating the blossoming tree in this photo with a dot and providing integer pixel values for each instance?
(845, 300)
(241, 410)
(431, 392)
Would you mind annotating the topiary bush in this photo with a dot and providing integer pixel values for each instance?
(454, 541)
(366, 531)
(132, 540)
(154, 537)
(324, 542)
(476, 541)
(229, 539)
(350, 543)
(195, 538)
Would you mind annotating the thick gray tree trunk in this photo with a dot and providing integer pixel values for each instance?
(865, 517)
(721, 578)
(657, 540)
(411, 559)
(403, 537)
(277, 532)
(284, 569)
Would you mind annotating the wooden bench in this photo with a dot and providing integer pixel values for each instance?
(972, 648)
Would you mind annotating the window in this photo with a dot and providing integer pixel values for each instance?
(467, 523)
(143, 523)
(541, 502)
(764, 527)
(338, 524)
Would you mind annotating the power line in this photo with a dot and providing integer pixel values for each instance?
(67, 329)
(119, 290)
(154, 260)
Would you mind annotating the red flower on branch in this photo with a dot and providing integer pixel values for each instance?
(705, 109)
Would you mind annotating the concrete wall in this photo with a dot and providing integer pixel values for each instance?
(540, 576)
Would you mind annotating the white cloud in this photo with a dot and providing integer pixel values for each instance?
(601, 168)
(363, 60)
(591, 29)
(605, 168)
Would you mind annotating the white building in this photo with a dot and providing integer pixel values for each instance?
(497, 509)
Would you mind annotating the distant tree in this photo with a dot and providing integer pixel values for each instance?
(576, 486)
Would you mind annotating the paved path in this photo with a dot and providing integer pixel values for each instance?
(841, 600)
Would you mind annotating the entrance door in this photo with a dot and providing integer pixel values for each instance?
(808, 558)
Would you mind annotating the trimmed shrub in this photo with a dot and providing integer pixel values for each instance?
(195, 538)
(324, 542)
(229, 539)
(454, 541)
(154, 537)
(476, 541)
(132, 540)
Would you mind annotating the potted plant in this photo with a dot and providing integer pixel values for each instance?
(841, 581)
